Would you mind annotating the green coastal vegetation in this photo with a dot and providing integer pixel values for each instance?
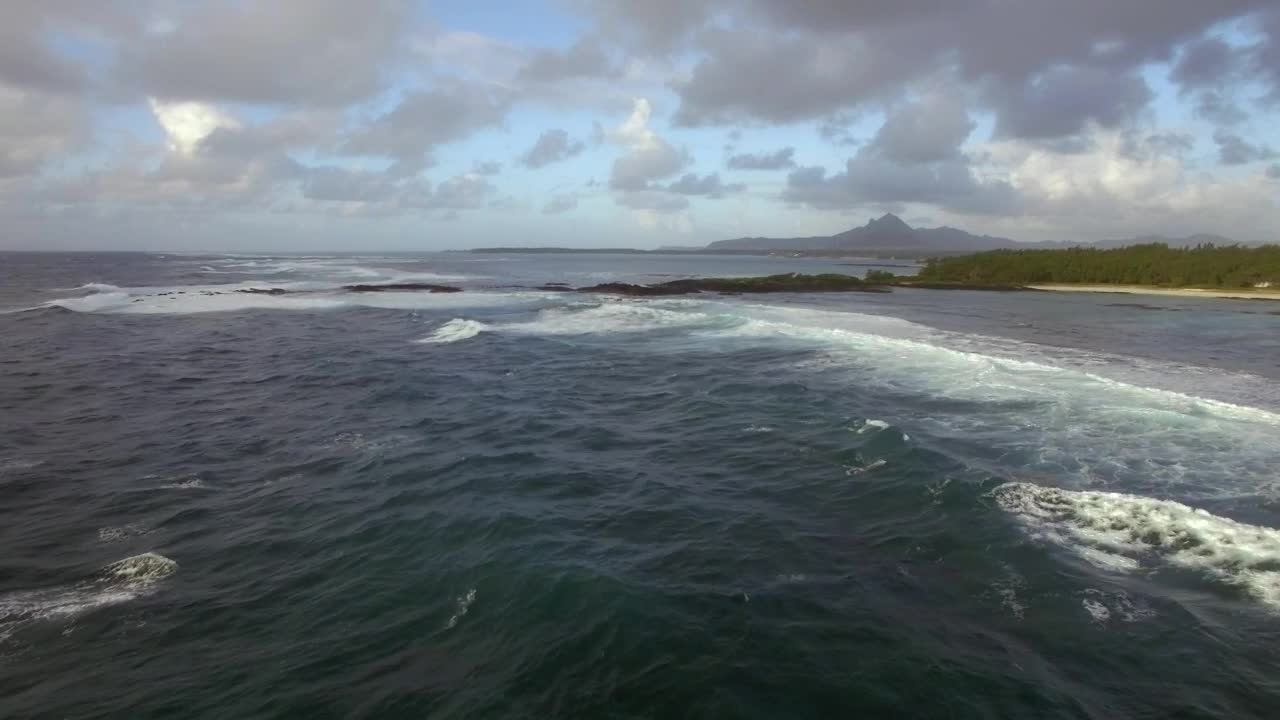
(1156, 265)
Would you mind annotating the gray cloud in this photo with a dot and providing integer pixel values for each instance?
(336, 184)
(930, 130)
(583, 60)
(425, 119)
(552, 146)
(783, 61)
(1203, 63)
(1157, 145)
(30, 62)
(914, 157)
(707, 186)
(871, 179)
(491, 167)
(1273, 171)
(559, 204)
(36, 129)
(290, 131)
(638, 168)
(461, 193)
(303, 52)
(763, 76)
(777, 160)
(1061, 102)
(835, 130)
(1235, 150)
(468, 191)
(1264, 59)
(1214, 107)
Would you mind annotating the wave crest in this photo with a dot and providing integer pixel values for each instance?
(1127, 533)
(455, 330)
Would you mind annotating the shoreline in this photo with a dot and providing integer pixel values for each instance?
(1242, 294)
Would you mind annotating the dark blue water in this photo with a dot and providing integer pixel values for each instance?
(515, 503)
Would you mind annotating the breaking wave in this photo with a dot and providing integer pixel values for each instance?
(1128, 533)
(119, 582)
(455, 330)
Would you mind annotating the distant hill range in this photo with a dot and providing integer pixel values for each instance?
(888, 233)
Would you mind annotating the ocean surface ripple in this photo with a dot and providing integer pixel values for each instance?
(512, 503)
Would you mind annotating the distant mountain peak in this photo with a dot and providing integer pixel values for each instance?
(888, 222)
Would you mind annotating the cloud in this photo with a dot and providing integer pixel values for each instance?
(1112, 191)
(491, 167)
(871, 179)
(777, 160)
(707, 186)
(1264, 58)
(559, 204)
(835, 130)
(584, 59)
(37, 129)
(1063, 101)
(425, 119)
(1217, 108)
(1203, 63)
(294, 52)
(1235, 150)
(648, 157)
(764, 76)
(461, 192)
(288, 131)
(552, 146)
(915, 157)
(1273, 171)
(186, 124)
(656, 201)
(336, 184)
(782, 61)
(924, 131)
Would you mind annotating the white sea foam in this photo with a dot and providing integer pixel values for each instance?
(1073, 424)
(609, 317)
(93, 287)
(461, 605)
(141, 571)
(873, 424)
(123, 532)
(195, 299)
(1096, 610)
(1127, 533)
(119, 582)
(454, 331)
(1051, 412)
(191, 482)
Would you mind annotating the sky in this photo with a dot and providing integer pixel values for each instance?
(291, 125)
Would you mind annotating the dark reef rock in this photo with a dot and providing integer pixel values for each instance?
(790, 282)
(633, 290)
(262, 291)
(403, 287)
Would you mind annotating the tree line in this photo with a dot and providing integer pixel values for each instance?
(1231, 266)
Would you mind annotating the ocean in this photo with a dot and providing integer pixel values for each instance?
(518, 503)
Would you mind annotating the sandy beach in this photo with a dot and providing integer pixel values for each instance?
(1242, 294)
